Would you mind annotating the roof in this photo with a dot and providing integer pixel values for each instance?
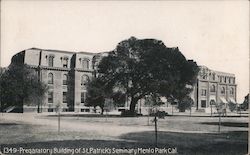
(52, 50)
(218, 72)
(69, 52)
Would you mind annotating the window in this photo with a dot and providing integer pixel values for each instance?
(232, 91)
(233, 80)
(203, 92)
(221, 79)
(84, 80)
(65, 79)
(223, 90)
(225, 79)
(64, 97)
(213, 76)
(51, 61)
(229, 80)
(50, 78)
(203, 103)
(212, 89)
(85, 63)
(83, 96)
(50, 97)
(65, 62)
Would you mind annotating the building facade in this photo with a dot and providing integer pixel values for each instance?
(67, 73)
(213, 87)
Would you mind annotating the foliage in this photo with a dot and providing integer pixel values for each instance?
(20, 84)
(119, 98)
(96, 93)
(232, 106)
(153, 102)
(147, 67)
(185, 103)
(245, 103)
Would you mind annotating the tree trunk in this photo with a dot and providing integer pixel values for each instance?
(132, 105)
(102, 110)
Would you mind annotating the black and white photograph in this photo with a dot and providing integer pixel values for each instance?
(124, 77)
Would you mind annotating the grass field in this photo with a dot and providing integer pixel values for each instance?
(189, 135)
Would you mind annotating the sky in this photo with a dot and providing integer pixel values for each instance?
(212, 33)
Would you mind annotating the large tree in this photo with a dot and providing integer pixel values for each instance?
(147, 67)
(20, 84)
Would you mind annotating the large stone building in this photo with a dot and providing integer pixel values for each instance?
(66, 74)
(213, 87)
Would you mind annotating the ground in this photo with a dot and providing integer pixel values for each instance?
(184, 134)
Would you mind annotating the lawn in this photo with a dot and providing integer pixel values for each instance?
(189, 136)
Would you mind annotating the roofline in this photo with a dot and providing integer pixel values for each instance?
(62, 51)
(218, 72)
(51, 50)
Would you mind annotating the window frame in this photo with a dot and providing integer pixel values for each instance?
(84, 81)
(65, 81)
(50, 96)
(64, 99)
(51, 61)
(50, 78)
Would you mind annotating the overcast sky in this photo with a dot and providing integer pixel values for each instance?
(214, 34)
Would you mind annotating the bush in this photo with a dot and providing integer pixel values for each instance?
(159, 114)
(128, 113)
(232, 106)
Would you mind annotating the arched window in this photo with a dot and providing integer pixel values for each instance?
(85, 63)
(232, 91)
(213, 76)
(223, 90)
(65, 79)
(84, 80)
(212, 89)
(50, 78)
(51, 61)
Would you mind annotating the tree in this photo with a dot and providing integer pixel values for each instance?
(20, 84)
(147, 67)
(232, 106)
(119, 98)
(185, 103)
(96, 93)
(245, 103)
